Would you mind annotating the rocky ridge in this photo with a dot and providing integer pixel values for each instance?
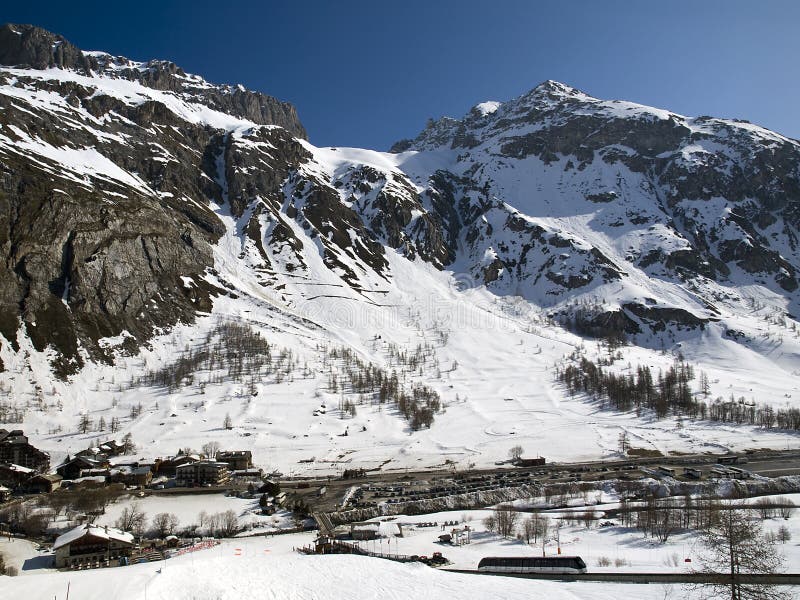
(131, 191)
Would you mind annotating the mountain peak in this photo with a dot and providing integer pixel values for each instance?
(555, 87)
(31, 47)
(486, 108)
(36, 48)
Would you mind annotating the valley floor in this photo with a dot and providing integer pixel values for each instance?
(268, 567)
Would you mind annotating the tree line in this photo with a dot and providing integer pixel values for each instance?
(230, 351)
(669, 393)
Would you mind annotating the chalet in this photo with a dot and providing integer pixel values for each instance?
(112, 448)
(169, 466)
(43, 483)
(14, 476)
(79, 466)
(238, 460)
(86, 482)
(15, 449)
(93, 452)
(254, 473)
(91, 546)
(270, 487)
(131, 475)
(202, 472)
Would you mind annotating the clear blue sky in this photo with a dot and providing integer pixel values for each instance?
(370, 73)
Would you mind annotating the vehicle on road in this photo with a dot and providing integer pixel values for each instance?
(532, 564)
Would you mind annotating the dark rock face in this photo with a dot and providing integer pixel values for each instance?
(90, 259)
(32, 47)
(120, 241)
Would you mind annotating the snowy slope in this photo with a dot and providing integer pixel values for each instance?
(172, 208)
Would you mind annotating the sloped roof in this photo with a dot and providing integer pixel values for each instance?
(106, 533)
(49, 477)
(129, 470)
(17, 468)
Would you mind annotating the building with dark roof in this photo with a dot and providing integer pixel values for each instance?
(15, 449)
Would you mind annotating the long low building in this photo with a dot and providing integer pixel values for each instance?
(92, 546)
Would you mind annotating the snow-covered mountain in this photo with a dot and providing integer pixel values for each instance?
(141, 206)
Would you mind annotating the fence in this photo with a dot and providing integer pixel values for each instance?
(205, 544)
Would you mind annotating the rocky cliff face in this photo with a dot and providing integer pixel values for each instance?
(26, 46)
(132, 195)
(109, 173)
(575, 193)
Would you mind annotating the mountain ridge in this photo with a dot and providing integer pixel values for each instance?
(152, 228)
(489, 196)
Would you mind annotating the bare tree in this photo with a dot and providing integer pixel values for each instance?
(227, 423)
(515, 453)
(507, 519)
(765, 507)
(735, 545)
(210, 449)
(534, 527)
(529, 530)
(588, 518)
(544, 528)
(132, 519)
(786, 508)
(490, 523)
(784, 535)
(91, 500)
(164, 524)
(666, 520)
(228, 523)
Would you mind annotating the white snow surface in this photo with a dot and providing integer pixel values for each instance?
(495, 349)
(269, 567)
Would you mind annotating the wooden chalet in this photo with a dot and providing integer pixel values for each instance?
(15, 476)
(77, 467)
(131, 475)
(168, 467)
(89, 546)
(43, 483)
